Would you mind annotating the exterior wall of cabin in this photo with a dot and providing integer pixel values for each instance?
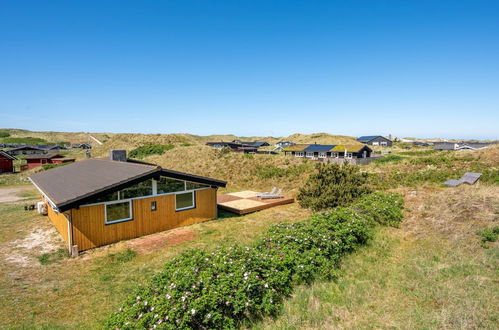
(89, 229)
(59, 221)
(6, 165)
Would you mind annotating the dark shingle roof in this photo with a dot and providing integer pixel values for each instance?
(6, 155)
(368, 138)
(44, 156)
(70, 185)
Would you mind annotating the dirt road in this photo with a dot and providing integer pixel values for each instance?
(13, 194)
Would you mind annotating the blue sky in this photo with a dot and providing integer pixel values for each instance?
(252, 68)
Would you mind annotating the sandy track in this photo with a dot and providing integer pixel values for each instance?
(12, 194)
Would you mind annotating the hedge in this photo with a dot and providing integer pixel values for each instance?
(223, 288)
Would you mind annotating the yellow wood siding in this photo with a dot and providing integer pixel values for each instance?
(90, 230)
(60, 222)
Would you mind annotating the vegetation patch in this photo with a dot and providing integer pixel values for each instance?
(232, 285)
(149, 150)
(24, 140)
(268, 171)
(489, 235)
(4, 134)
(49, 166)
(389, 159)
(333, 185)
(50, 258)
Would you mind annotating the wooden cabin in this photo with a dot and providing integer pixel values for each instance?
(375, 140)
(49, 158)
(6, 162)
(331, 153)
(96, 202)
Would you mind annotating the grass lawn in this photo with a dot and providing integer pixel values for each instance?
(46, 289)
(431, 273)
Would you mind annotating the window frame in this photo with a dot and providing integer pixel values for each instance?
(322, 154)
(192, 192)
(121, 201)
(299, 154)
(349, 155)
(309, 154)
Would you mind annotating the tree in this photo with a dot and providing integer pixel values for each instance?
(332, 185)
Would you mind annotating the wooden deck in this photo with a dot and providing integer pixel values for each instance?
(244, 202)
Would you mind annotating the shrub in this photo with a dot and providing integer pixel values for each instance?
(385, 208)
(149, 150)
(4, 134)
(332, 185)
(224, 288)
(489, 235)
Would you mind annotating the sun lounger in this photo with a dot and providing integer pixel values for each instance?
(273, 191)
(468, 177)
(278, 194)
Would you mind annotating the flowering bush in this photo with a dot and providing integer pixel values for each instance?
(220, 289)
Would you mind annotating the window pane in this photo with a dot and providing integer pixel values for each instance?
(105, 198)
(184, 200)
(143, 188)
(167, 185)
(192, 185)
(118, 211)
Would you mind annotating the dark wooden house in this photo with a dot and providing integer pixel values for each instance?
(375, 140)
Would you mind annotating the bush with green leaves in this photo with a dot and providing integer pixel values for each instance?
(231, 285)
(149, 150)
(4, 134)
(333, 185)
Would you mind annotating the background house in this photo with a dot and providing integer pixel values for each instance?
(6, 162)
(239, 146)
(375, 140)
(48, 158)
(460, 145)
(26, 150)
(332, 153)
(283, 144)
(100, 201)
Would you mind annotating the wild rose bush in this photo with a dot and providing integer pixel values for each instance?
(223, 288)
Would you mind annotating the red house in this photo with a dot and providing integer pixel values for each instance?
(6, 162)
(50, 158)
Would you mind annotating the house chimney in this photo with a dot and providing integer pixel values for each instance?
(118, 155)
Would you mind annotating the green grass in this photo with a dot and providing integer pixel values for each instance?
(24, 140)
(389, 159)
(46, 295)
(149, 150)
(400, 282)
(49, 258)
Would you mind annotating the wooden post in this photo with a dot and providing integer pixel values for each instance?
(74, 251)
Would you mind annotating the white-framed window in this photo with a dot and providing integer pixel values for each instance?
(322, 154)
(299, 154)
(118, 211)
(375, 143)
(310, 154)
(349, 155)
(334, 155)
(185, 201)
(384, 143)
